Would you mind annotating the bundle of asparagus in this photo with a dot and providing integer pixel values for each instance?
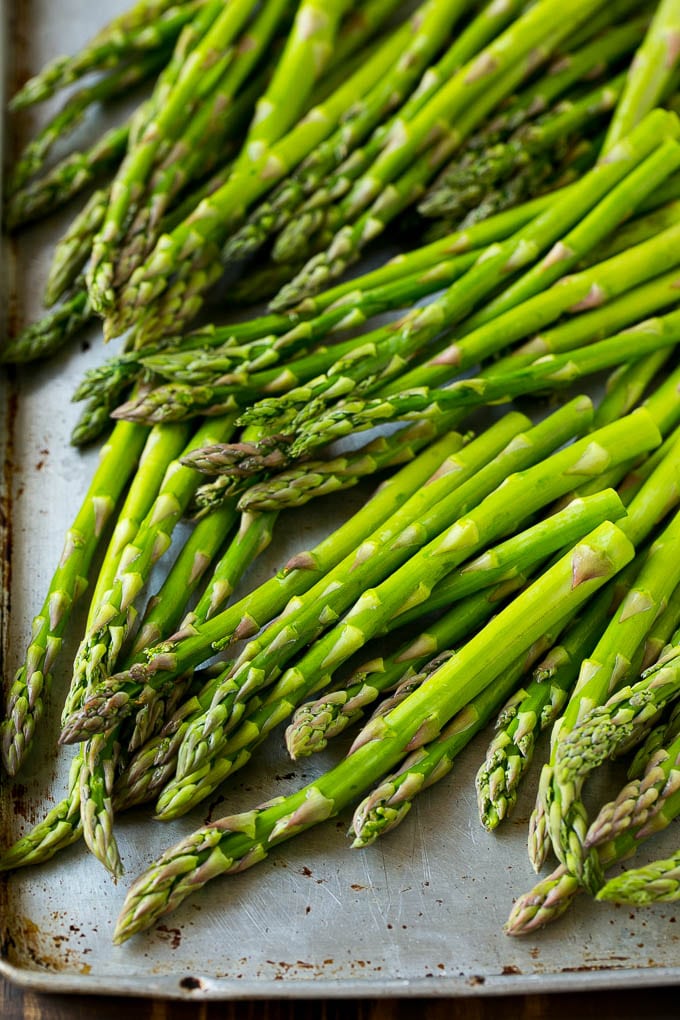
(526, 563)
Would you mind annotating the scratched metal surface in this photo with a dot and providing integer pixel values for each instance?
(420, 913)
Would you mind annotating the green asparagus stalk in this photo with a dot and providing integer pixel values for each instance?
(609, 666)
(534, 707)
(34, 156)
(63, 825)
(316, 722)
(376, 611)
(459, 187)
(198, 75)
(424, 324)
(68, 178)
(495, 572)
(232, 845)
(60, 828)
(483, 28)
(108, 629)
(575, 293)
(300, 574)
(214, 218)
(48, 335)
(642, 808)
(591, 60)
(649, 73)
(253, 536)
(299, 485)
(462, 97)
(389, 803)
(653, 883)
(149, 25)
(24, 707)
(73, 250)
(548, 372)
(415, 45)
(603, 730)
(210, 138)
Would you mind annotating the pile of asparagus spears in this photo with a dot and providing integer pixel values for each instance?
(520, 563)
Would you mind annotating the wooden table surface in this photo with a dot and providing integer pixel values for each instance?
(654, 1004)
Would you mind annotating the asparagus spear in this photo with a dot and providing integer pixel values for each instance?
(463, 96)
(232, 844)
(101, 645)
(299, 575)
(415, 45)
(549, 371)
(48, 335)
(533, 708)
(389, 803)
(253, 535)
(63, 825)
(213, 219)
(24, 706)
(316, 722)
(376, 611)
(487, 24)
(73, 249)
(198, 75)
(652, 883)
(609, 665)
(649, 73)
(299, 485)
(148, 25)
(34, 156)
(547, 138)
(642, 808)
(67, 179)
(495, 572)
(423, 325)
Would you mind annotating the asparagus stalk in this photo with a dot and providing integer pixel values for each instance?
(422, 325)
(609, 666)
(251, 538)
(316, 722)
(389, 803)
(547, 372)
(48, 335)
(649, 73)
(495, 572)
(68, 178)
(376, 611)
(415, 45)
(234, 844)
(34, 156)
(197, 643)
(534, 707)
(542, 143)
(63, 825)
(108, 629)
(214, 218)
(24, 707)
(652, 883)
(300, 484)
(198, 75)
(463, 98)
(243, 187)
(483, 28)
(148, 25)
(642, 808)
(72, 251)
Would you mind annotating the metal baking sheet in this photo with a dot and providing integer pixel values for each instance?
(420, 913)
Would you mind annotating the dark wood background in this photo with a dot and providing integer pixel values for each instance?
(633, 1004)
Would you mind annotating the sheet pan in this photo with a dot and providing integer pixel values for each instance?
(420, 913)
